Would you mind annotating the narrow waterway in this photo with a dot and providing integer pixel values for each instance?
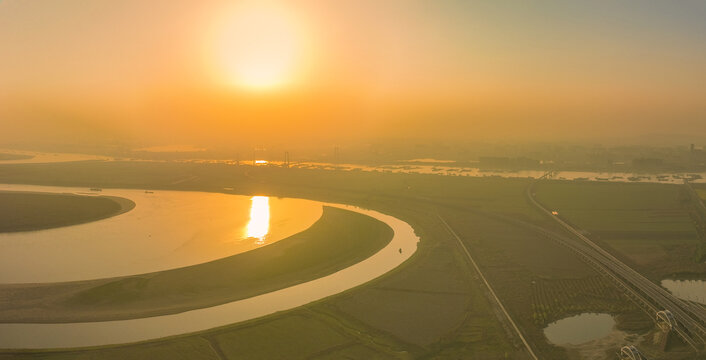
(69, 335)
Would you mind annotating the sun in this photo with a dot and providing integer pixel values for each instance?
(259, 46)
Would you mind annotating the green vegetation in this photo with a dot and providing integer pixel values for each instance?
(554, 299)
(25, 211)
(702, 193)
(538, 281)
(190, 348)
(650, 225)
(298, 334)
(339, 239)
(614, 208)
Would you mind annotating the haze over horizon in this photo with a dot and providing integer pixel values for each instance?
(353, 179)
(306, 72)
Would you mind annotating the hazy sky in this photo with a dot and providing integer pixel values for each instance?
(206, 72)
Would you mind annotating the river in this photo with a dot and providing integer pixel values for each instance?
(70, 335)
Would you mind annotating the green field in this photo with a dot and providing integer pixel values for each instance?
(702, 193)
(649, 224)
(25, 211)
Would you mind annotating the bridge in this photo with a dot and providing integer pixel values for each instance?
(548, 175)
(665, 320)
(630, 353)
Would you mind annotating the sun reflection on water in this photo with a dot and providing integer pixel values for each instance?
(259, 224)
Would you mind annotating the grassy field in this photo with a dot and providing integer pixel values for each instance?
(538, 281)
(299, 334)
(648, 225)
(339, 239)
(25, 211)
(433, 306)
(702, 193)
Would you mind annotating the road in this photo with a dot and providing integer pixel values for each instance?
(690, 317)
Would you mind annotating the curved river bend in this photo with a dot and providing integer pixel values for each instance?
(71, 335)
(166, 230)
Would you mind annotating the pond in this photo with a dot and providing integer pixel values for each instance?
(579, 329)
(693, 290)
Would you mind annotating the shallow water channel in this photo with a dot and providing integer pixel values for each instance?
(579, 329)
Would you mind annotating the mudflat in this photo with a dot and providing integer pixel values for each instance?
(28, 211)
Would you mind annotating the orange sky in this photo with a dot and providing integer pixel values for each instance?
(155, 71)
